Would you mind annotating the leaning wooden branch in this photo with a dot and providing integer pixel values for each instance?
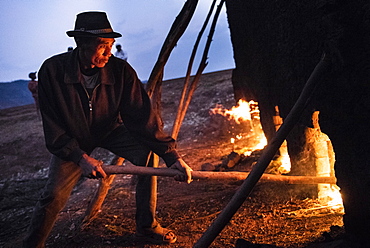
(212, 175)
(200, 70)
(184, 93)
(98, 200)
(178, 28)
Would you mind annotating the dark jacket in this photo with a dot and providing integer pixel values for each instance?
(74, 124)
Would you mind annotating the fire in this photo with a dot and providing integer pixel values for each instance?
(283, 150)
(252, 138)
(334, 197)
(248, 113)
(285, 163)
(243, 111)
(329, 195)
(245, 114)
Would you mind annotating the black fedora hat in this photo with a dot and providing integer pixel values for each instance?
(94, 24)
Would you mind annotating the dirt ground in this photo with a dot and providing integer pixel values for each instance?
(272, 216)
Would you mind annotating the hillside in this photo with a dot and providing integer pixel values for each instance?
(14, 94)
(271, 215)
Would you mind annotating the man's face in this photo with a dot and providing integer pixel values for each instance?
(97, 53)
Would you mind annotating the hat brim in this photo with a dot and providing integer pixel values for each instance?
(87, 34)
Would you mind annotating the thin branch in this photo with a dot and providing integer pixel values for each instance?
(201, 68)
(180, 109)
(178, 28)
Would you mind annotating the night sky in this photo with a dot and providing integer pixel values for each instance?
(32, 31)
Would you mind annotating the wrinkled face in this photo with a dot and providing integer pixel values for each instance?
(96, 53)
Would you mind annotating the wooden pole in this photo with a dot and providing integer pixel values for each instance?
(177, 29)
(269, 152)
(196, 78)
(184, 93)
(99, 197)
(212, 175)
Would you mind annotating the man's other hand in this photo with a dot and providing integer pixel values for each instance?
(91, 167)
(185, 169)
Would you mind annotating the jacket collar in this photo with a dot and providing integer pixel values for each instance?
(73, 75)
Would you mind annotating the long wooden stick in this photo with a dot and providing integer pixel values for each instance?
(177, 29)
(230, 175)
(269, 152)
(99, 197)
(184, 93)
(202, 65)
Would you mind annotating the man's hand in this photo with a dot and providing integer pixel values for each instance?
(184, 168)
(91, 167)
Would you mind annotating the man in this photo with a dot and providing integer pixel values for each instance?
(120, 53)
(85, 96)
(32, 86)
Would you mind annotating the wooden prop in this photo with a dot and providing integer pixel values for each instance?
(189, 88)
(99, 197)
(230, 175)
(177, 29)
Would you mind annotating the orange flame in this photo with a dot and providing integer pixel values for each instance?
(248, 113)
(245, 112)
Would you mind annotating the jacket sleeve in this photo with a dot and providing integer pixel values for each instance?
(58, 142)
(143, 122)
